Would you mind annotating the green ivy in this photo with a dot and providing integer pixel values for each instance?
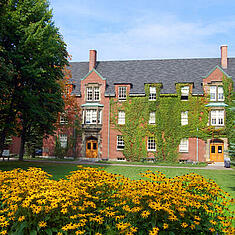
(167, 131)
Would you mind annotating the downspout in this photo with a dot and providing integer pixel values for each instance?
(197, 144)
(108, 128)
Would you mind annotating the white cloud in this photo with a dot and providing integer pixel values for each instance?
(167, 38)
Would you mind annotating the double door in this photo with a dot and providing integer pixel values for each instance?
(91, 149)
(217, 152)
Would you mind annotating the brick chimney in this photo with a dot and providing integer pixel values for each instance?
(92, 59)
(224, 57)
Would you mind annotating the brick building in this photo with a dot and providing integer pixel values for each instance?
(104, 88)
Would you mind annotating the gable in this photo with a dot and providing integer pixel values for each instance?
(93, 74)
(215, 75)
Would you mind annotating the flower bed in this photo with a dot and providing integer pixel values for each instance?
(92, 201)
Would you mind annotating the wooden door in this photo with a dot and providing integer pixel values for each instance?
(217, 152)
(91, 149)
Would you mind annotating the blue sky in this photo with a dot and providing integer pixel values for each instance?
(146, 29)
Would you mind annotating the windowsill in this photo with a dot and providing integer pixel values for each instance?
(121, 123)
(152, 124)
(152, 100)
(120, 149)
(148, 150)
(183, 151)
(122, 100)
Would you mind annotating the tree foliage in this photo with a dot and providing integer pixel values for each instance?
(32, 57)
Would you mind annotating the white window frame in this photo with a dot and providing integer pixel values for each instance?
(151, 144)
(63, 138)
(89, 93)
(152, 93)
(63, 119)
(184, 118)
(184, 92)
(220, 93)
(122, 90)
(96, 93)
(91, 116)
(99, 116)
(152, 118)
(184, 145)
(121, 117)
(217, 117)
(120, 142)
(213, 93)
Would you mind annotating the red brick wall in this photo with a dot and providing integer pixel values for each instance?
(93, 77)
(192, 153)
(216, 75)
(15, 145)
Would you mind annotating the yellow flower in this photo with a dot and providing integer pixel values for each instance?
(213, 222)
(154, 231)
(212, 229)
(21, 218)
(3, 232)
(145, 214)
(79, 232)
(165, 226)
(42, 224)
(184, 225)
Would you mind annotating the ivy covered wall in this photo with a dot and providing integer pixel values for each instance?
(168, 130)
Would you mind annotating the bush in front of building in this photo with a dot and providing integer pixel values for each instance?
(92, 201)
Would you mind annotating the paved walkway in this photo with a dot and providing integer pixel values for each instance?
(209, 167)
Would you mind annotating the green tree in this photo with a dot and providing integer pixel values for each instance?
(34, 54)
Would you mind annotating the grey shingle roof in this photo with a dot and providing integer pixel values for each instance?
(138, 72)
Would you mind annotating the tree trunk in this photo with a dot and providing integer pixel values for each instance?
(22, 143)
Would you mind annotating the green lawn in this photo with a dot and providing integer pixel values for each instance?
(224, 178)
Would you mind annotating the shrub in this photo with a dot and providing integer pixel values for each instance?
(92, 201)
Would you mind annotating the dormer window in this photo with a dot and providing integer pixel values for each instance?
(152, 93)
(92, 93)
(96, 93)
(184, 92)
(122, 93)
(220, 93)
(216, 93)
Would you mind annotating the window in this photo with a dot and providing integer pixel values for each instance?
(184, 92)
(217, 117)
(184, 118)
(120, 142)
(216, 93)
(99, 116)
(183, 147)
(152, 118)
(151, 144)
(63, 140)
(96, 93)
(121, 117)
(89, 93)
(92, 93)
(63, 119)
(152, 93)
(122, 93)
(220, 93)
(91, 116)
(212, 93)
